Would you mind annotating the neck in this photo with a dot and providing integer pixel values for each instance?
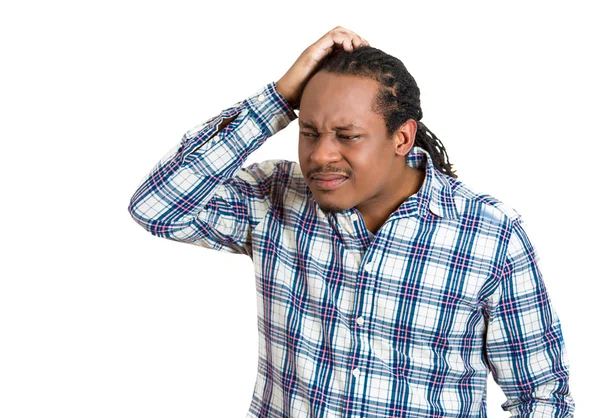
(379, 212)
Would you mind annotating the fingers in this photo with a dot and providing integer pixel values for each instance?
(344, 38)
(293, 81)
(347, 43)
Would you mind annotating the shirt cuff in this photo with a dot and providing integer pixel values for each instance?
(270, 109)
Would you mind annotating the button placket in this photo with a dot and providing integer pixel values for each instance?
(355, 225)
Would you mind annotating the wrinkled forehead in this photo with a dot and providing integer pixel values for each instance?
(329, 101)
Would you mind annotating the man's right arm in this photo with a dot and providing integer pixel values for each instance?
(199, 193)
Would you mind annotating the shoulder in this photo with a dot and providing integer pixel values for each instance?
(480, 205)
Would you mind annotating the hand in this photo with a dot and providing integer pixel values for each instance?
(290, 86)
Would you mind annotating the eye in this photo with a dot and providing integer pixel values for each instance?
(308, 134)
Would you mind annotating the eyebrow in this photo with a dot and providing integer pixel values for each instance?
(348, 127)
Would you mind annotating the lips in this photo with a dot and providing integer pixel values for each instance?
(328, 181)
(328, 176)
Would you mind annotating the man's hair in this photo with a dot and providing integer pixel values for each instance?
(398, 98)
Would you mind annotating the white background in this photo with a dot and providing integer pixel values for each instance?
(98, 318)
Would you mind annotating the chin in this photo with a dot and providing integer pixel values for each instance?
(330, 207)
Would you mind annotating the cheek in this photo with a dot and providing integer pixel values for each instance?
(302, 159)
(366, 161)
(371, 168)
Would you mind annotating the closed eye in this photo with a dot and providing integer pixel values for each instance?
(308, 134)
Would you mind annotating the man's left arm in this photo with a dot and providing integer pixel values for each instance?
(525, 347)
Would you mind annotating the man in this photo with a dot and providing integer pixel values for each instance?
(386, 287)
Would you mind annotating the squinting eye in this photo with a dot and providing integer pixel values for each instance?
(341, 136)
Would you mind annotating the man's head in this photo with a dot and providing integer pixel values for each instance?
(374, 92)
(343, 139)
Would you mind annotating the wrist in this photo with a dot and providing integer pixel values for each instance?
(283, 92)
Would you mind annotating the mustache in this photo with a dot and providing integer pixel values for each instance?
(329, 170)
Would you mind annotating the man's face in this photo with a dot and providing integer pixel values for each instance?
(362, 157)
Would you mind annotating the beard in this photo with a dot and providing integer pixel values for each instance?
(330, 207)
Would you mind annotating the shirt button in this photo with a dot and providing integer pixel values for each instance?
(354, 217)
(261, 98)
(356, 372)
(369, 266)
(360, 320)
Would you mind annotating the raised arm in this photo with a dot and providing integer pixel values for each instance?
(199, 193)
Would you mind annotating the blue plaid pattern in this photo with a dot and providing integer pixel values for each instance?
(406, 322)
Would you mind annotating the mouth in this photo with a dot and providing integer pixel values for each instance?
(329, 184)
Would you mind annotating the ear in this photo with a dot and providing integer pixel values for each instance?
(404, 137)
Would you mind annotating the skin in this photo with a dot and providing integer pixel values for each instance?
(379, 179)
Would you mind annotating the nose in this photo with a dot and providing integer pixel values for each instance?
(325, 150)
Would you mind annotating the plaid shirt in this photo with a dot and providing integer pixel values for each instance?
(406, 322)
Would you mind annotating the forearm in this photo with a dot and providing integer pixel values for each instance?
(534, 375)
(184, 180)
(223, 124)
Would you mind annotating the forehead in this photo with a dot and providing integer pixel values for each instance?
(335, 100)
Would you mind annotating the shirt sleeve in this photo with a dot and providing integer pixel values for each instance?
(198, 193)
(525, 348)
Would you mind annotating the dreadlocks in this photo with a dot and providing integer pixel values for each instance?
(398, 98)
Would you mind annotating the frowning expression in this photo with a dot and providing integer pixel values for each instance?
(345, 155)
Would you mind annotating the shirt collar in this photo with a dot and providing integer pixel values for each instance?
(435, 195)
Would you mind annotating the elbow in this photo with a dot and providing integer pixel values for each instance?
(141, 218)
(149, 219)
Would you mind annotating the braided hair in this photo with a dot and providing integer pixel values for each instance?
(398, 98)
